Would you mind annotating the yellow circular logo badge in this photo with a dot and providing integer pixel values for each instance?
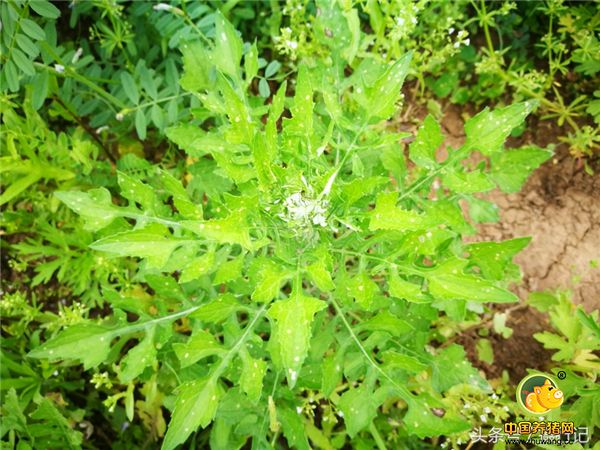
(538, 394)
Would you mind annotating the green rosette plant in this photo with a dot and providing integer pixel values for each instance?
(296, 281)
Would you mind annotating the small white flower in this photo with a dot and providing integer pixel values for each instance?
(305, 210)
(505, 408)
(101, 129)
(59, 68)
(414, 20)
(494, 396)
(294, 198)
(162, 7)
(466, 406)
(456, 44)
(292, 44)
(467, 41)
(119, 116)
(319, 219)
(299, 409)
(400, 21)
(451, 30)
(487, 410)
(483, 418)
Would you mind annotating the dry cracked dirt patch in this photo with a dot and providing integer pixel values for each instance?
(559, 207)
(561, 212)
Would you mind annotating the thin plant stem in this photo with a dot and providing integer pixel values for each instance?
(377, 437)
(486, 30)
(87, 128)
(403, 392)
(68, 72)
(333, 177)
(156, 102)
(236, 348)
(557, 107)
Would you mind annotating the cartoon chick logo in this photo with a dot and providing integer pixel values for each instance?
(539, 394)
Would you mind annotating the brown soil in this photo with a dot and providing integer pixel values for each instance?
(515, 354)
(559, 207)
